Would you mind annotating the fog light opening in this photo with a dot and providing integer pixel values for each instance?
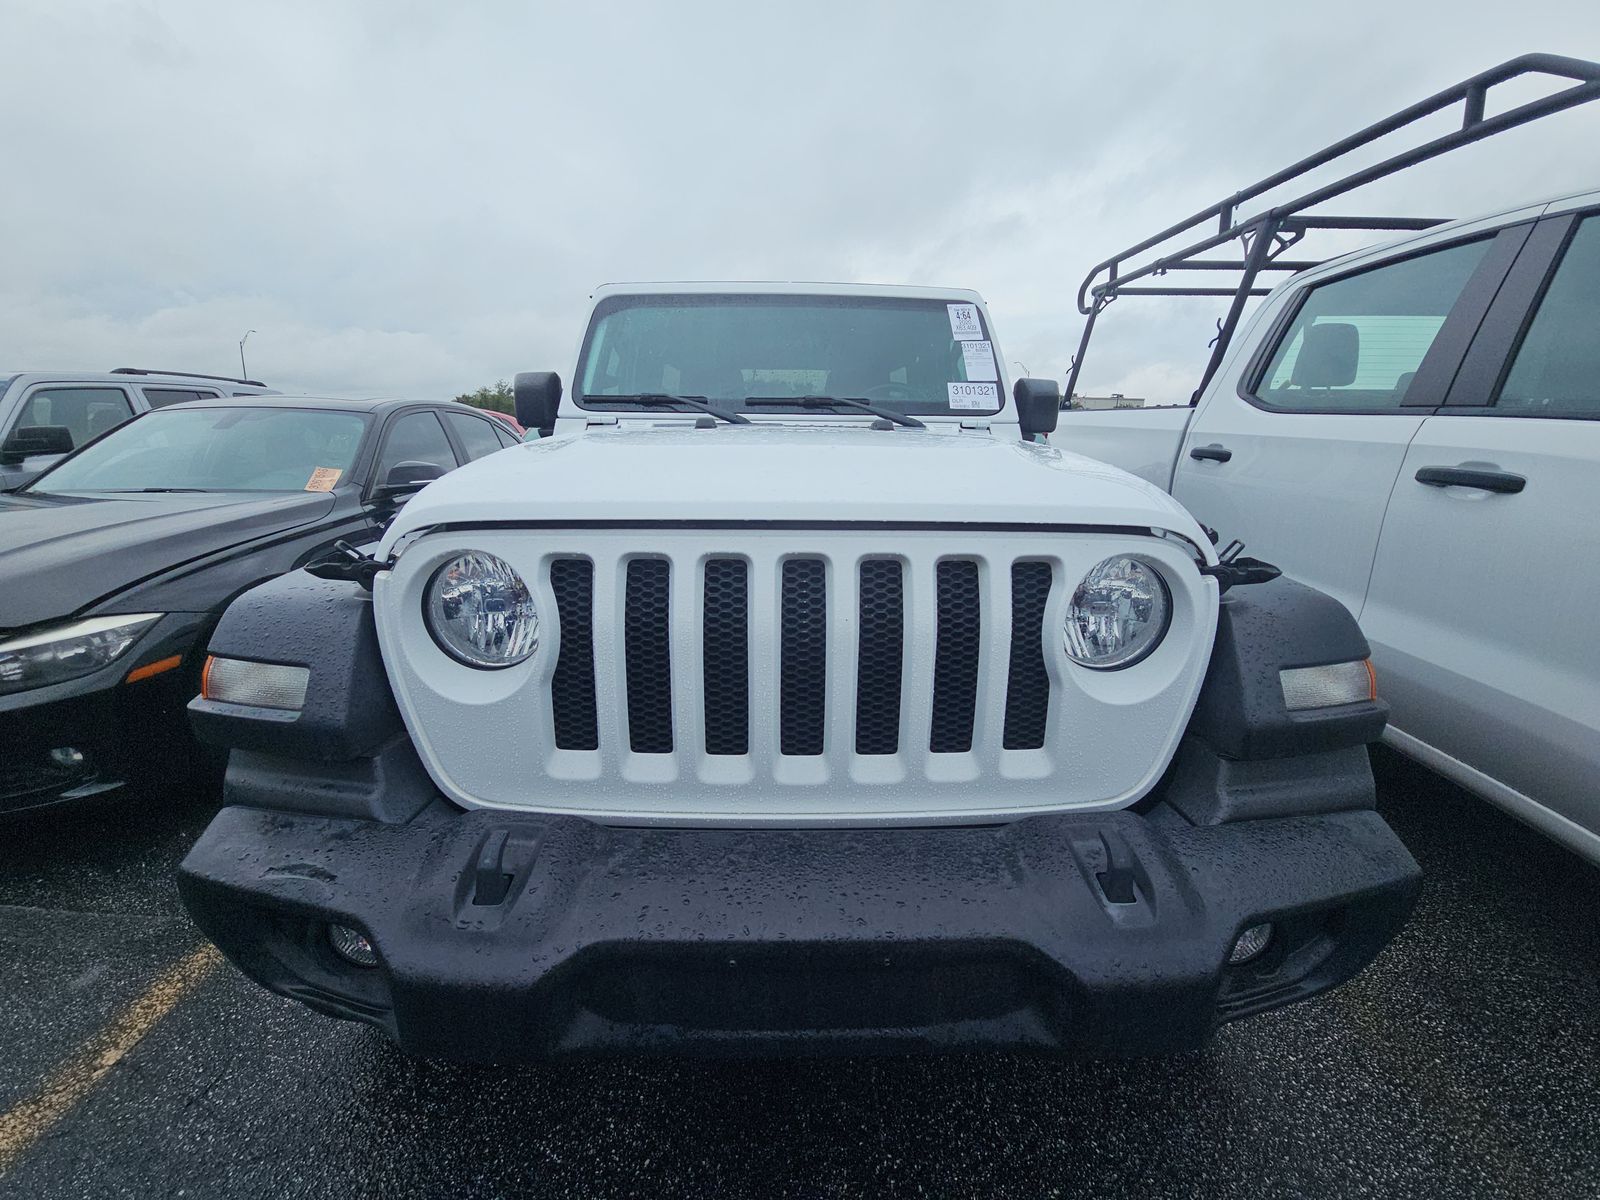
(352, 946)
(1250, 944)
(67, 756)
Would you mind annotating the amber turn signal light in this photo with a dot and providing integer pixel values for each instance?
(159, 667)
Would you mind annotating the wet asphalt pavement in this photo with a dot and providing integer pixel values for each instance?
(1465, 1062)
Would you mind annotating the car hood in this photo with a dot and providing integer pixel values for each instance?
(805, 474)
(60, 555)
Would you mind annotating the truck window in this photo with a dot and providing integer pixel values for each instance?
(1556, 371)
(86, 411)
(161, 397)
(1367, 334)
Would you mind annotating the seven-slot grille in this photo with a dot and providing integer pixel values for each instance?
(808, 634)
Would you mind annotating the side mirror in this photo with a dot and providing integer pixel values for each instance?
(36, 439)
(1038, 405)
(538, 395)
(1329, 354)
(404, 478)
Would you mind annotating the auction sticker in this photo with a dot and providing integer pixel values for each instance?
(323, 478)
(974, 395)
(964, 321)
(979, 360)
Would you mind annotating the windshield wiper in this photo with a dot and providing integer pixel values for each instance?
(695, 402)
(124, 491)
(867, 406)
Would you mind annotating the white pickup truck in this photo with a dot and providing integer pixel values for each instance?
(1415, 430)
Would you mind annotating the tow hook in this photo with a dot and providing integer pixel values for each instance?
(1233, 570)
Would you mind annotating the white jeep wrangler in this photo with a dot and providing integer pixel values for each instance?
(790, 696)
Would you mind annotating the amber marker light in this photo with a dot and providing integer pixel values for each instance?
(159, 667)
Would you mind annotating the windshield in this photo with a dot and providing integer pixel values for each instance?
(216, 450)
(928, 357)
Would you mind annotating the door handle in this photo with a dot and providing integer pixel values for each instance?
(1489, 481)
(1213, 452)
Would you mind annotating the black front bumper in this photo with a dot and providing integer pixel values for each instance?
(107, 731)
(1105, 933)
(80, 746)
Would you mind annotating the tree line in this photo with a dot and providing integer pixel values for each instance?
(496, 396)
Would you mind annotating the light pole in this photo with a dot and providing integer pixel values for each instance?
(1019, 363)
(244, 374)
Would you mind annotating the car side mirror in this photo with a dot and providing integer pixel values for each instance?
(1329, 354)
(36, 439)
(538, 396)
(1038, 405)
(404, 478)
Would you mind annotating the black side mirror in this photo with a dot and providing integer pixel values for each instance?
(1038, 405)
(538, 395)
(404, 478)
(36, 439)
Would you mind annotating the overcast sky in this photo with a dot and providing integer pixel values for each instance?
(416, 199)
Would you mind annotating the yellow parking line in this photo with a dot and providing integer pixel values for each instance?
(30, 1120)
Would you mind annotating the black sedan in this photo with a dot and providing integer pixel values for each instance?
(116, 563)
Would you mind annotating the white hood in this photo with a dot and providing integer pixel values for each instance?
(771, 472)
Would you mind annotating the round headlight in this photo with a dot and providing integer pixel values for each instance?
(481, 612)
(1118, 614)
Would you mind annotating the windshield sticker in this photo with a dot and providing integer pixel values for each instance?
(323, 478)
(979, 360)
(974, 395)
(964, 322)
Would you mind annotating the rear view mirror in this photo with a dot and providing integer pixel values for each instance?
(538, 395)
(1329, 352)
(36, 439)
(407, 477)
(1038, 405)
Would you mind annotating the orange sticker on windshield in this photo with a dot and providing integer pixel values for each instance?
(323, 478)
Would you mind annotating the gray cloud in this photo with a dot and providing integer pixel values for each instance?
(416, 199)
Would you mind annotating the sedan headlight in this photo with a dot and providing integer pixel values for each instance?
(481, 612)
(1118, 614)
(36, 660)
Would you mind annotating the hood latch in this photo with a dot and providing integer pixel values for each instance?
(346, 564)
(1233, 570)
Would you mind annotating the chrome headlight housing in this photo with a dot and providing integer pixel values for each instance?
(35, 660)
(481, 612)
(1118, 614)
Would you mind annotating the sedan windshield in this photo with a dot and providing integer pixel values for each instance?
(928, 357)
(233, 449)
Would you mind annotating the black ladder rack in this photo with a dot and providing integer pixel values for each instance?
(1266, 236)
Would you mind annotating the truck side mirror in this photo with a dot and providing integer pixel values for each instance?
(36, 439)
(1038, 405)
(405, 478)
(538, 395)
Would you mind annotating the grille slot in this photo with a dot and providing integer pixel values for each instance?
(803, 657)
(881, 650)
(1028, 684)
(648, 653)
(955, 657)
(726, 655)
(572, 704)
